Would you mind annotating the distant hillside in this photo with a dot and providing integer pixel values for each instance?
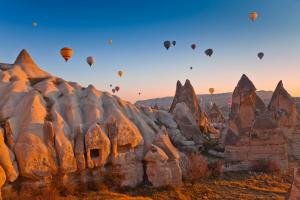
(221, 99)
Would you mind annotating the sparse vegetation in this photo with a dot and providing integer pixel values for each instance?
(267, 166)
(197, 166)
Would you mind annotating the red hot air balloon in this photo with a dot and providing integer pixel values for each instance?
(117, 88)
(193, 46)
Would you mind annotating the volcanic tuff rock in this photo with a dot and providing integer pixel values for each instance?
(187, 95)
(53, 127)
(258, 133)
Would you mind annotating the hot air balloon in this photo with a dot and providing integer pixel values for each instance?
(140, 93)
(211, 90)
(90, 60)
(174, 43)
(110, 41)
(117, 88)
(34, 24)
(120, 73)
(209, 52)
(191, 68)
(253, 16)
(110, 85)
(66, 53)
(260, 55)
(167, 44)
(193, 46)
(113, 90)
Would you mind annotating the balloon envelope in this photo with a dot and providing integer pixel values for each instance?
(34, 24)
(90, 60)
(191, 67)
(260, 55)
(167, 44)
(211, 90)
(113, 90)
(110, 41)
(66, 53)
(120, 73)
(253, 16)
(117, 88)
(174, 43)
(209, 52)
(193, 46)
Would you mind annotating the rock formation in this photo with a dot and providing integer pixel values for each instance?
(215, 115)
(255, 133)
(187, 95)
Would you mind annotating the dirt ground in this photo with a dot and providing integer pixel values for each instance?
(231, 186)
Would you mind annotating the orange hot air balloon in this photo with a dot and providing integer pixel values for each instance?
(120, 73)
(253, 16)
(66, 53)
(211, 90)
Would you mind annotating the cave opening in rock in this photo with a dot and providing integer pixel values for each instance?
(94, 153)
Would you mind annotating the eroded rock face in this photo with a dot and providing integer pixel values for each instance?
(158, 171)
(245, 106)
(7, 160)
(186, 94)
(2, 179)
(283, 107)
(215, 114)
(187, 124)
(97, 146)
(254, 133)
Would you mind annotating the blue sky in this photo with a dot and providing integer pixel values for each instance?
(138, 29)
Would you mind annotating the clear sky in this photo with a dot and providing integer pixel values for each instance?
(138, 29)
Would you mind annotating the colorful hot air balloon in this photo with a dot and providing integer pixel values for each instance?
(211, 90)
(209, 52)
(174, 43)
(90, 60)
(193, 46)
(120, 73)
(110, 41)
(167, 44)
(117, 88)
(113, 90)
(253, 16)
(66, 53)
(260, 55)
(34, 24)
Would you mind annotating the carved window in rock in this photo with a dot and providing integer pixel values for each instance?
(95, 153)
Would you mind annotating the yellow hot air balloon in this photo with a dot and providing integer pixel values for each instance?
(120, 73)
(211, 90)
(110, 41)
(66, 53)
(253, 16)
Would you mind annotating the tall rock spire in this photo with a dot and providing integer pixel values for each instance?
(27, 64)
(186, 94)
(24, 58)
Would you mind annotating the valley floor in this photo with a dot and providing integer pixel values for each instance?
(231, 186)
